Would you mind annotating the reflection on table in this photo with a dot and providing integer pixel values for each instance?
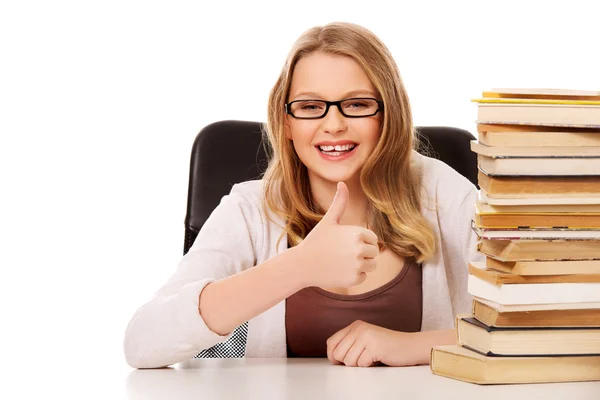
(305, 378)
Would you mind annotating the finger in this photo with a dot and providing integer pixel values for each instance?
(368, 236)
(342, 349)
(369, 251)
(368, 265)
(334, 340)
(353, 354)
(365, 359)
(338, 205)
(361, 278)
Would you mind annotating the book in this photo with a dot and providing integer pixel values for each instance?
(539, 112)
(533, 93)
(537, 220)
(538, 250)
(525, 268)
(457, 362)
(524, 135)
(536, 234)
(505, 308)
(538, 199)
(539, 166)
(497, 278)
(534, 151)
(536, 208)
(526, 341)
(574, 221)
(534, 293)
(543, 186)
(493, 317)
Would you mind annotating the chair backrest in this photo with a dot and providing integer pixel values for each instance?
(228, 152)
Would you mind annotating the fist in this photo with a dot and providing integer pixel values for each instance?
(335, 255)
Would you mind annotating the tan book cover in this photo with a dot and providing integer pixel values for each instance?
(537, 208)
(498, 278)
(534, 151)
(527, 186)
(527, 233)
(524, 135)
(561, 267)
(528, 341)
(457, 362)
(489, 315)
(541, 199)
(538, 250)
(537, 220)
(538, 307)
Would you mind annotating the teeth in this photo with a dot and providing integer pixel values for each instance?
(344, 147)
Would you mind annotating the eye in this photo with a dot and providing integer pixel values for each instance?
(357, 104)
(311, 105)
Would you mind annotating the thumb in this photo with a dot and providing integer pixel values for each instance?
(338, 205)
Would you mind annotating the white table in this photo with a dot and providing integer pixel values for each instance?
(281, 379)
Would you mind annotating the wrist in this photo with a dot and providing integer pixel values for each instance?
(421, 344)
(295, 265)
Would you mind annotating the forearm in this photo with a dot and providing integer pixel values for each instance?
(228, 303)
(422, 342)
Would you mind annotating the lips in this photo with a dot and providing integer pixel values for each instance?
(337, 155)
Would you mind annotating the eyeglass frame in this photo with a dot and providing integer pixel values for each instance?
(338, 104)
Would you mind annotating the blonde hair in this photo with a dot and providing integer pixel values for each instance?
(388, 179)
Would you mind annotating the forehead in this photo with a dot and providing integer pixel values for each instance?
(329, 76)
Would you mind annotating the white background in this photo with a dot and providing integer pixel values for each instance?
(100, 103)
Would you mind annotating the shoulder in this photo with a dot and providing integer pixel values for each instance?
(241, 203)
(440, 181)
(251, 191)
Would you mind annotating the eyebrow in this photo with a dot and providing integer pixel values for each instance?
(353, 93)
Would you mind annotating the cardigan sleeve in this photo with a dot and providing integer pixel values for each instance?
(168, 328)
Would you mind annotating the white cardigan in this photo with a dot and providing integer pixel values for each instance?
(237, 236)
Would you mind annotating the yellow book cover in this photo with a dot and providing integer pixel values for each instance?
(536, 101)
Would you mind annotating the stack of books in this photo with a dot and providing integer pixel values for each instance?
(536, 308)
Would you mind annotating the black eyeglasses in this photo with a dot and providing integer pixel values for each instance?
(357, 107)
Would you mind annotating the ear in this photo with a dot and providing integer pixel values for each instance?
(287, 128)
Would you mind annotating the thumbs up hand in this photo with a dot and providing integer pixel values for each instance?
(334, 255)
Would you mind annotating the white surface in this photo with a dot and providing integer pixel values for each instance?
(99, 106)
(284, 379)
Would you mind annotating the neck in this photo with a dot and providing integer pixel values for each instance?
(356, 209)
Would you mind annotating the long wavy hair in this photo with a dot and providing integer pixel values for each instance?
(389, 179)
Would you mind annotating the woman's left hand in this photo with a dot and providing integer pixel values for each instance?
(361, 344)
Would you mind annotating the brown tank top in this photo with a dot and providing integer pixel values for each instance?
(314, 314)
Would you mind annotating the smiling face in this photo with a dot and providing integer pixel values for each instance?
(333, 148)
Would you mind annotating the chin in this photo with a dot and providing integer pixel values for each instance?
(338, 177)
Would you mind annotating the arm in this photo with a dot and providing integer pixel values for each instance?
(170, 327)
(362, 344)
(227, 303)
(422, 342)
(330, 255)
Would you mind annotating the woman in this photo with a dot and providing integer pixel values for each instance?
(353, 246)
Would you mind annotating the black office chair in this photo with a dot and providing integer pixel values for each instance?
(228, 152)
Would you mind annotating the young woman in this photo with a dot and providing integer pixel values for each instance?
(353, 246)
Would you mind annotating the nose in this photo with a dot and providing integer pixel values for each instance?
(334, 121)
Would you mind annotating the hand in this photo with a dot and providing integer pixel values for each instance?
(361, 344)
(335, 255)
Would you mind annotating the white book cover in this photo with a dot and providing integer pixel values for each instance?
(534, 293)
(536, 234)
(537, 200)
(537, 307)
(546, 91)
